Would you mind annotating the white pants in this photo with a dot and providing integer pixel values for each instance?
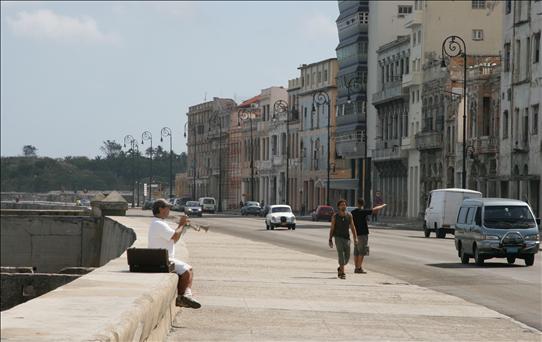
(180, 266)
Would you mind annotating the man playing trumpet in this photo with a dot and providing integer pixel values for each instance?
(161, 235)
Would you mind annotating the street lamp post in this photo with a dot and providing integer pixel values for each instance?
(194, 167)
(322, 98)
(148, 136)
(217, 120)
(131, 140)
(454, 46)
(166, 132)
(245, 114)
(279, 107)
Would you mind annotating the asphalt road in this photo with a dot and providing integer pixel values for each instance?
(513, 290)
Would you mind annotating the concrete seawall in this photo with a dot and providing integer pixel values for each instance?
(108, 304)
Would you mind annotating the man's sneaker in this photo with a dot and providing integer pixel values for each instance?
(359, 270)
(187, 302)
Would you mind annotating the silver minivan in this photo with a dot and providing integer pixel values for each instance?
(496, 228)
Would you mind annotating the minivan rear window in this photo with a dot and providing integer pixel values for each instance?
(208, 201)
(508, 217)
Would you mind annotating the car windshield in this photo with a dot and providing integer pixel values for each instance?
(208, 201)
(508, 217)
(192, 204)
(253, 204)
(281, 210)
(326, 210)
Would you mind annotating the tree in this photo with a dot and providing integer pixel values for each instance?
(29, 151)
(111, 149)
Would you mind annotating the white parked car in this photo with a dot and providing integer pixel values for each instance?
(280, 215)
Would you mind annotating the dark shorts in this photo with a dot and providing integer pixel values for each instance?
(362, 247)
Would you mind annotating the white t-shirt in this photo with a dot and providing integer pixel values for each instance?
(160, 236)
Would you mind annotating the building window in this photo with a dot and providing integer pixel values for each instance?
(536, 109)
(478, 4)
(505, 124)
(414, 39)
(325, 75)
(536, 48)
(364, 17)
(419, 36)
(508, 6)
(477, 34)
(507, 57)
(403, 10)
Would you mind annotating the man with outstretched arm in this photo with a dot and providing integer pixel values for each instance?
(161, 235)
(360, 216)
(340, 223)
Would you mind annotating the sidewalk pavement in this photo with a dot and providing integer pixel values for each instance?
(252, 291)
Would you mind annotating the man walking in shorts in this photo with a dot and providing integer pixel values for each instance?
(161, 235)
(340, 223)
(361, 248)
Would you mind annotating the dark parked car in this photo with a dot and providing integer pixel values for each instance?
(251, 208)
(147, 205)
(322, 213)
(179, 203)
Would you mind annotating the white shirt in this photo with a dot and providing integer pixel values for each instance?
(160, 236)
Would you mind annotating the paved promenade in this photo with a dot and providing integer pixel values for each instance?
(253, 291)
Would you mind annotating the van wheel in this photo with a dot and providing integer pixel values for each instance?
(511, 259)
(440, 233)
(464, 257)
(529, 260)
(426, 231)
(477, 257)
(266, 226)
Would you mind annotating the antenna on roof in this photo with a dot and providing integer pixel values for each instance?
(205, 97)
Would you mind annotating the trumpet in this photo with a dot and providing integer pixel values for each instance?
(195, 227)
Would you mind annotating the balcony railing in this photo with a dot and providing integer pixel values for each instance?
(486, 145)
(350, 148)
(344, 120)
(391, 91)
(393, 153)
(412, 78)
(278, 160)
(429, 141)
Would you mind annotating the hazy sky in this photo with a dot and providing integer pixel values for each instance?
(74, 74)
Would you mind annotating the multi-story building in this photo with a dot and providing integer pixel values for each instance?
(392, 145)
(520, 148)
(207, 140)
(295, 169)
(315, 131)
(429, 24)
(352, 51)
(271, 147)
(246, 138)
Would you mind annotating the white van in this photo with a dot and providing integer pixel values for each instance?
(442, 209)
(207, 204)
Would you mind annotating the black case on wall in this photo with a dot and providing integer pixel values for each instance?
(149, 260)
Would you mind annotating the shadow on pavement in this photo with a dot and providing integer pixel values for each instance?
(486, 265)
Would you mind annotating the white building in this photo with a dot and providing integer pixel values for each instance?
(428, 23)
(520, 165)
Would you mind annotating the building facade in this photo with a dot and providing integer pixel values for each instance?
(351, 121)
(429, 24)
(317, 128)
(207, 128)
(392, 143)
(520, 147)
